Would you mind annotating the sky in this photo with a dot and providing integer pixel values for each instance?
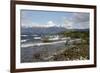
(69, 20)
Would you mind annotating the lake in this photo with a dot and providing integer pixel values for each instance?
(29, 49)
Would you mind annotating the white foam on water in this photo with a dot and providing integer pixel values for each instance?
(40, 44)
(23, 41)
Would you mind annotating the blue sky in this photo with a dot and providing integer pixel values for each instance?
(33, 18)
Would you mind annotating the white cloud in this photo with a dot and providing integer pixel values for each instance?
(67, 24)
(73, 25)
(82, 25)
(80, 17)
(51, 24)
(26, 25)
(77, 21)
(46, 25)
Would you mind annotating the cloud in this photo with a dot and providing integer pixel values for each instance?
(83, 25)
(26, 23)
(46, 25)
(74, 21)
(80, 17)
(77, 21)
(67, 24)
(51, 24)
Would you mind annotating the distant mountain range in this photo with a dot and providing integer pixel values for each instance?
(49, 30)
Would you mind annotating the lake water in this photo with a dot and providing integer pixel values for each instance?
(28, 52)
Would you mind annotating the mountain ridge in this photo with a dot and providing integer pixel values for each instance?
(48, 30)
